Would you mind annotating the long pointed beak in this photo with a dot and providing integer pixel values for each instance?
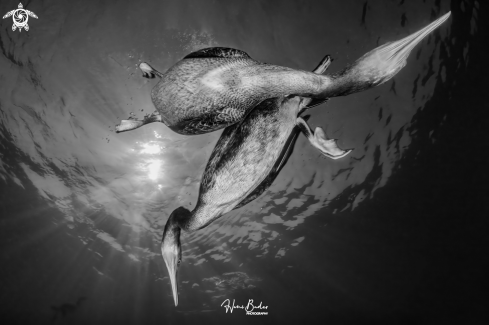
(172, 273)
(174, 288)
(405, 45)
(379, 65)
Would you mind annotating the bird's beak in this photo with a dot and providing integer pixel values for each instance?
(172, 267)
(171, 249)
(174, 284)
(408, 43)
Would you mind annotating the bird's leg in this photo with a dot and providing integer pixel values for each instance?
(307, 102)
(328, 147)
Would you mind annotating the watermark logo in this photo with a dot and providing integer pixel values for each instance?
(20, 17)
(250, 309)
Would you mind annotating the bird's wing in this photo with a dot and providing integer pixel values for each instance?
(8, 14)
(30, 13)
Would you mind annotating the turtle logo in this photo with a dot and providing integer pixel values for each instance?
(20, 17)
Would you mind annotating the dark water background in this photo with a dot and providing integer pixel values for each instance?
(395, 233)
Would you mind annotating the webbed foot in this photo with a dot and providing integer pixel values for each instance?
(127, 125)
(328, 147)
(132, 123)
(148, 71)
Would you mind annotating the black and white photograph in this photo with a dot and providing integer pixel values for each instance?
(244, 162)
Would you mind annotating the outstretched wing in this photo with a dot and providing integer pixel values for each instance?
(8, 14)
(30, 13)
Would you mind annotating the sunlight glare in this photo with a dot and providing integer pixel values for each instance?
(154, 169)
(151, 149)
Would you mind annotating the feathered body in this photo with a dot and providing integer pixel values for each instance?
(259, 104)
(203, 94)
(244, 157)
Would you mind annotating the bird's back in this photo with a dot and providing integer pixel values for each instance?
(196, 86)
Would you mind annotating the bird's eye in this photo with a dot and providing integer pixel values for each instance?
(178, 263)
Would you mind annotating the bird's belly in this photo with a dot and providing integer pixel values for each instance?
(249, 157)
(236, 182)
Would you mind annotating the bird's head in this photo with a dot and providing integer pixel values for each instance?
(384, 62)
(171, 248)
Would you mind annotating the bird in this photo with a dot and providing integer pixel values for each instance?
(216, 87)
(244, 163)
(251, 152)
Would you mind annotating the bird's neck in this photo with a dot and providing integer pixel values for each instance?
(201, 217)
(179, 222)
(172, 229)
(354, 78)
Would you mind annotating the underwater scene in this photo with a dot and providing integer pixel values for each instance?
(235, 162)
